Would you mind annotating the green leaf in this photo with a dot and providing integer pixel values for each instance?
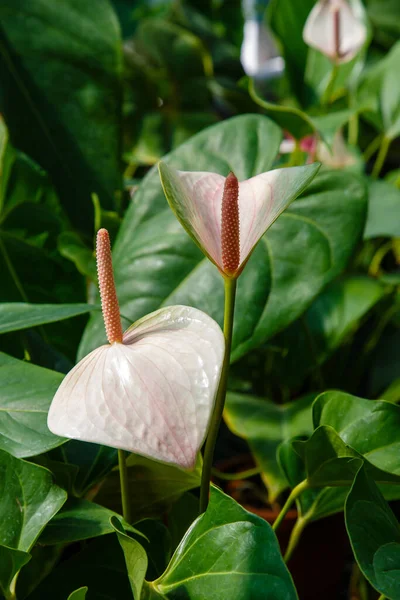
(28, 500)
(210, 563)
(135, 558)
(100, 566)
(311, 241)
(71, 246)
(371, 427)
(79, 519)
(333, 316)
(26, 392)
(92, 462)
(182, 514)
(61, 73)
(78, 594)
(374, 535)
(153, 486)
(383, 219)
(265, 425)
(15, 316)
(378, 94)
(11, 562)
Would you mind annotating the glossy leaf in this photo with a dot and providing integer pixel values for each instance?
(79, 519)
(249, 569)
(265, 425)
(135, 558)
(371, 427)
(66, 118)
(15, 316)
(153, 486)
(79, 594)
(308, 242)
(374, 535)
(28, 498)
(168, 367)
(383, 219)
(25, 395)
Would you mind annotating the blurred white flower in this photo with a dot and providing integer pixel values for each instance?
(335, 29)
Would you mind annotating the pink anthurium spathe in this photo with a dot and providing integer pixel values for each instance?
(226, 218)
(152, 389)
(334, 28)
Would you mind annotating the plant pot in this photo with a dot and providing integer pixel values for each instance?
(321, 563)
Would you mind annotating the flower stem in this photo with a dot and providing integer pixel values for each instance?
(380, 159)
(229, 309)
(123, 477)
(295, 537)
(382, 597)
(295, 493)
(327, 95)
(236, 476)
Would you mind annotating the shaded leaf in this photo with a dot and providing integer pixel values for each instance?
(25, 395)
(383, 219)
(265, 425)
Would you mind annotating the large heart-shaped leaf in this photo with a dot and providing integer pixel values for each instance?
(15, 316)
(156, 263)
(265, 425)
(153, 486)
(374, 535)
(209, 562)
(61, 73)
(28, 500)
(25, 395)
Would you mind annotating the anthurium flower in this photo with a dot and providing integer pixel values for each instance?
(151, 390)
(226, 218)
(335, 29)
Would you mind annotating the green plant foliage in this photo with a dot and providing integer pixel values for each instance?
(135, 558)
(333, 316)
(79, 519)
(240, 571)
(309, 241)
(265, 425)
(28, 499)
(62, 66)
(100, 566)
(383, 211)
(79, 594)
(25, 395)
(15, 316)
(154, 486)
(374, 535)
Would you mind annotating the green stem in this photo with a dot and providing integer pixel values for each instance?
(326, 98)
(229, 309)
(372, 148)
(123, 476)
(380, 159)
(382, 597)
(295, 537)
(295, 493)
(353, 130)
(236, 476)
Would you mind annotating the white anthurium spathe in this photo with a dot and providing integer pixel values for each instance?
(218, 225)
(334, 28)
(150, 391)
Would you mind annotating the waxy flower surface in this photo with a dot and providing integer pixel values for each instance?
(151, 390)
(334, 29)
(226, 218)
